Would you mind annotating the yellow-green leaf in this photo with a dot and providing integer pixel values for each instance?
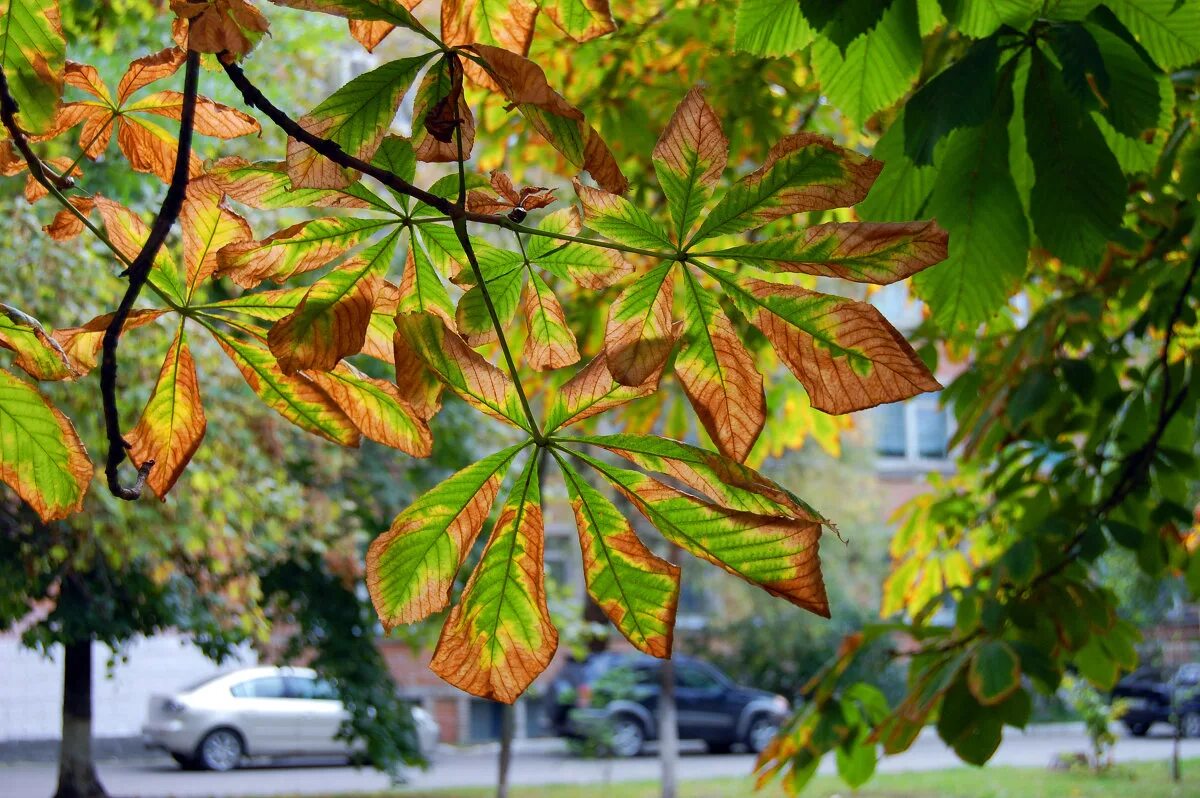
(41, 457)
(637, 590)
(499, 637)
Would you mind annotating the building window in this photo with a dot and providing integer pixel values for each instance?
(916, 432)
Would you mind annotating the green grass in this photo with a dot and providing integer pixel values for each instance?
(1142, 780)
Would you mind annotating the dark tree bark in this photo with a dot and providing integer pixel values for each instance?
(76, 769)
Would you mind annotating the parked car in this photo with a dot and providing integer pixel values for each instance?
(266, 711)
(1149, 695)
(710, 706)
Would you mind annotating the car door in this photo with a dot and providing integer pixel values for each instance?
(268, 719)
(700, 702)
(321, 714)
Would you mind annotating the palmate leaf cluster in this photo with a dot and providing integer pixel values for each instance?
(400, 282)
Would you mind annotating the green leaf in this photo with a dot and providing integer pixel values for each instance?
(876, 70)
(591, 267)
(718, 374)
(551, 344)
(294, 397)
(865, 252)
(1169, 30)
(464, 370)
(355, 117)
(724, 481)
(961, 95)
(396, 155)
(421, 288)
(803, 172)
(393, 11)
(972, 730)
(499, 637)
(591, 391)
(411, 567)
(689, 158)
(779, 554)
(616, 217)
(975, 199)
(994, 672)
(771, 27)
(1079, 194)
(504, 288)
(639, 334)
(636, 590)
(38, 354)
(33, 57)
(843, 21)
(1131, 99)
(294, 250)
(980, 18)
(903, 187)
(856, 762)
(847, 356)
(41, 456)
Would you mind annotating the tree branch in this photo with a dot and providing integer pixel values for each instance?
(139, 273)
(331, 150)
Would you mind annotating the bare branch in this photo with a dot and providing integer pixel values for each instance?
(138, 273)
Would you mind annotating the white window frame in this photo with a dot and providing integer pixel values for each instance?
(912, 459)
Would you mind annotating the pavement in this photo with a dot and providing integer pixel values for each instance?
(535, 762)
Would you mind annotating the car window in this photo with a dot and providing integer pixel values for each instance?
(308, 687)
(696, 677)
(266, 687)
(647, 674)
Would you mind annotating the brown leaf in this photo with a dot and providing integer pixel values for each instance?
(66, 225)
(720, 378)
(86, 78)
(330, 323)
(82, 344)
(527, 199)
(221, 26)
(591, 391)
(212, 118)
(35, 191)
(860, 169)
(640, 334)
(551, 344)
(207, 225)
(467, 21)
(523, 82)
(149, 148)
(435, 117)
(369, 33)
(377, 408)
(172, 425)
(146, 70)
(849, 357)
(418, 386)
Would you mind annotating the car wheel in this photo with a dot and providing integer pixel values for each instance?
(626, 736)
(1138, 729)
(762, 730)
(1189, 724)
(220, 750)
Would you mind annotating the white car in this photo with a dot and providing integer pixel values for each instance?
(265, 711)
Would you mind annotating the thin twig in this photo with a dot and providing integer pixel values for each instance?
(8, 114)
(139, 273)
(460, 229)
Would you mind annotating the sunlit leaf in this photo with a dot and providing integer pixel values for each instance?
(636, 590)
(499, 637)
(172, 424)
(32, 55)
(411, 567)
(640, 333)
(41, 456)
(688, 159)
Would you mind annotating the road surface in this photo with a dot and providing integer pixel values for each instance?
(535, 762)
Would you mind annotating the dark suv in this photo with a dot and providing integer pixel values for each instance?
(1149, 696)
(619, 693)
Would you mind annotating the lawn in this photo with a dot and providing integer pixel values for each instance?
(1143, 780)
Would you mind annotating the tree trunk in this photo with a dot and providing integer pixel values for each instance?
(507, 723)
(76, 771)
(668, 730)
